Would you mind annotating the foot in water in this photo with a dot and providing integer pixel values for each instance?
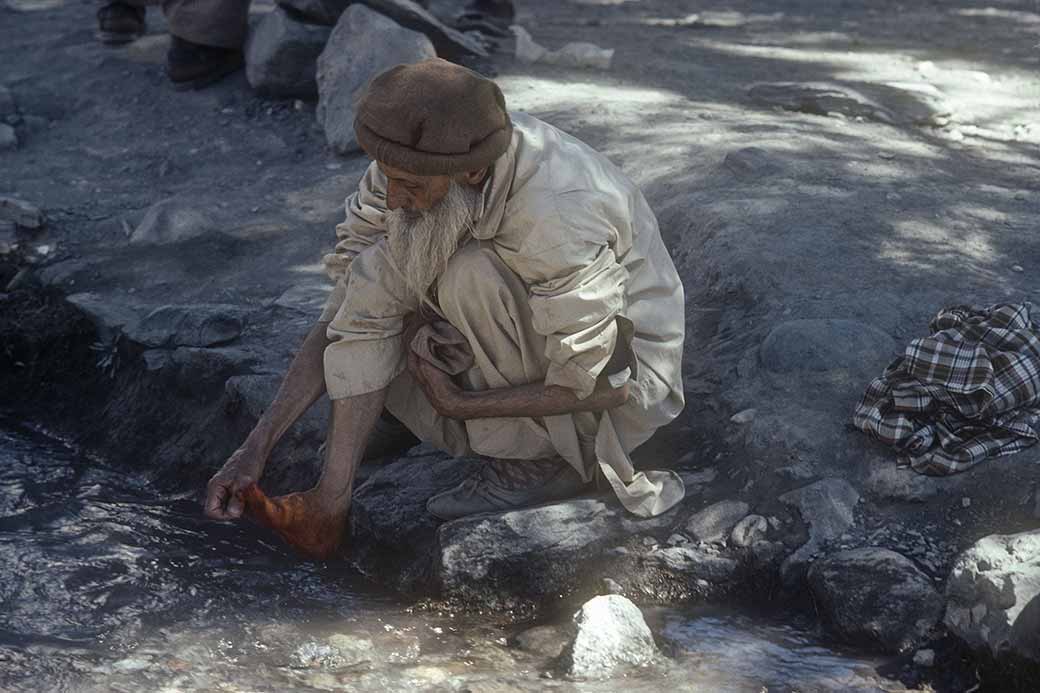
(298, 520)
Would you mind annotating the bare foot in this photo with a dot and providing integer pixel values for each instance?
(298, 520)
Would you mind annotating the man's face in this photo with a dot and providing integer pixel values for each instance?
(413, 193)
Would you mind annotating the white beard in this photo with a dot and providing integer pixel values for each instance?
(422, 242)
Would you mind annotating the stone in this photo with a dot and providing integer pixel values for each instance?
(819, 99)
(751, 529)
(716, 522)
(827, 508)
(22, 213)
(532, 553)
(744, 416)
(363, 44)
(924, 658)
(821, 345)
(691, 564)
(172, 221)
(993, 596)
(8, 138)
(546, 641)
(610, 635)
(282, 56)
(876, 598)
(8, 237)
(751, 163)
(889, 481)
(196, 325)
(352, 648)
(450, 43)
(325, 12)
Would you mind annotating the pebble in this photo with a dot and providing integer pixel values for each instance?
(743, 417)
(924, 658)
(1018, 268)
(965, 502)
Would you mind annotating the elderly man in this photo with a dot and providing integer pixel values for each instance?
(503, 290)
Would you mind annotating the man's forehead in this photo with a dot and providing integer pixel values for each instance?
(399, 173)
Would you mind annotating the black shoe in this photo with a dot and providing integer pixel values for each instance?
(193, 65)
(119, 23)
(491, 17)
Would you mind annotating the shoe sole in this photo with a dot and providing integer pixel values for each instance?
(117, 38)
(209, 78)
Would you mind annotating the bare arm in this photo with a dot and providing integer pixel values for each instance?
(532, 400)
(303, 384)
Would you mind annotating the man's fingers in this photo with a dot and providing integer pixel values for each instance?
(235, 506)
(216, 498)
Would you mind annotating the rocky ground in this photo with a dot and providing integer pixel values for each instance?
(827, 175)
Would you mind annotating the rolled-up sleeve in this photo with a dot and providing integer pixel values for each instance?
(364, 225)
(576, 299)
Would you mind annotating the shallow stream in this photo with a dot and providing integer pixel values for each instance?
(106, 587)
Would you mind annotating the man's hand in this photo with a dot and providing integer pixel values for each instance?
(224, 491)
(440, 389)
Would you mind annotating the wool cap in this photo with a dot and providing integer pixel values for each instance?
(433, 118)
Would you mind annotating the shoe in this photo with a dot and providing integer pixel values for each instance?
(503, 485)
(119, 23)
(491, 17)
(193, 65)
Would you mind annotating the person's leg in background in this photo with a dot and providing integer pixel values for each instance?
(206, 35)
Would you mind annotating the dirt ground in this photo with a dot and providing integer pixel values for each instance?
(914, 183)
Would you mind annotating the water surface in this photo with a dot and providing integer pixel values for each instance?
(105, 586)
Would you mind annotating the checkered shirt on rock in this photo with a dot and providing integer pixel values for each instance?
(968, 392)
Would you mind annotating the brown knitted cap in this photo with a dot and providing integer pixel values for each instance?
(433, 118)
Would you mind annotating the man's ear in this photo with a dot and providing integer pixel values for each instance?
(474, 177)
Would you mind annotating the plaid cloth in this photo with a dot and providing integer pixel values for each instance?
(968, 392)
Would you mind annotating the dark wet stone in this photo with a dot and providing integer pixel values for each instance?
(282, 56)
(876, 598)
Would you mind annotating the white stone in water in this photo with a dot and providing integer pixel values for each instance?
(611, 634)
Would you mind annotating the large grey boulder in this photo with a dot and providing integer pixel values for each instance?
(282, 55)
(714, 523)
(363, 44)
(993, 595)
(325, 12)
(827, 507)
(532, 553)
(610, 635)
(171, 221)
(875, 598)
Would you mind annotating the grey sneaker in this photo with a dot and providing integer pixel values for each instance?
(502, 485)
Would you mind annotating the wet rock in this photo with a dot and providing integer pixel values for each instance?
(993, 596)
(282, 56)
(876, 598)
(547, 641)
(751, 529)
(716, 522)
(8, 138)
(450, 43)
(105, 313)
(827, 507)
(691, 564)
(924, 658)
(392, 533)
(325, 12)
(611, 635)
(172, 221)
(363, 44)
(819, 99)
(196, 325)
(751, 163)
(534, 552)
(819, 345)
(22, 213)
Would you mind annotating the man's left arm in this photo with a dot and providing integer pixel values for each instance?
(576, 294)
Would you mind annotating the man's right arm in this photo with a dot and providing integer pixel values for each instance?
(303, 384)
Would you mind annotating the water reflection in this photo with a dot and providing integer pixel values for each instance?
(105, 587)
